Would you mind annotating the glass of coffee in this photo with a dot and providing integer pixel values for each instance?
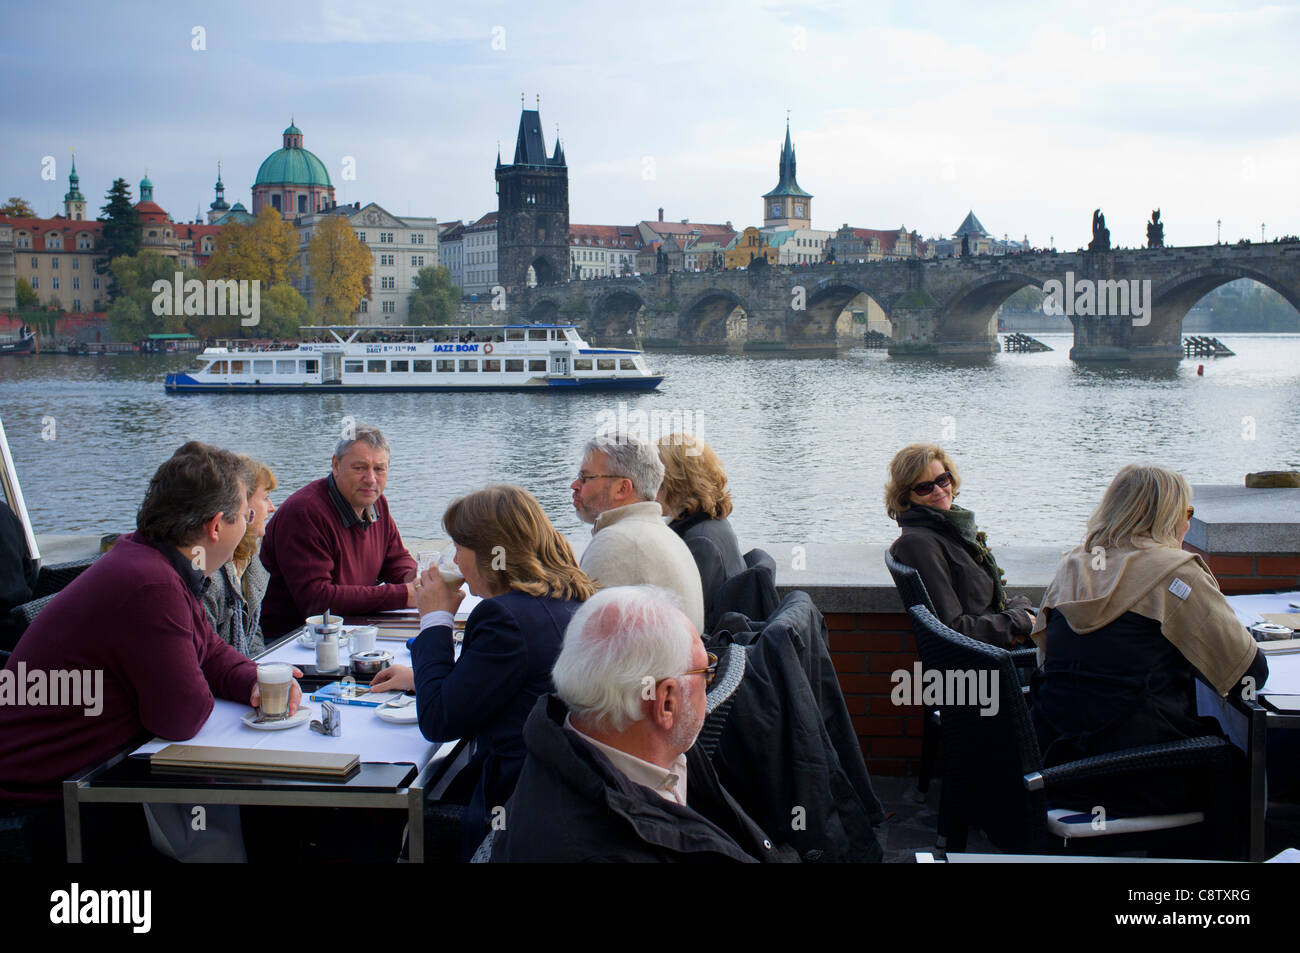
(448, 569)
(275, 681)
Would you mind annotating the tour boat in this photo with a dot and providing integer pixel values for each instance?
(423, 358)
(25, 343)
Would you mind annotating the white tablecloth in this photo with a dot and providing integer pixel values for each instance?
(364, 732)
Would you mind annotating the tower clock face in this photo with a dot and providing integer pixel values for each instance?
(776, 210)
(798, 211)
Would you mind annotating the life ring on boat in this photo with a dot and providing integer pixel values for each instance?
(487, 348)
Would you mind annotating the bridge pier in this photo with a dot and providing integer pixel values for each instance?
(1115, 339)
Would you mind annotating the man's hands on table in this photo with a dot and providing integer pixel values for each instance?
(295, 693)
(395, 678)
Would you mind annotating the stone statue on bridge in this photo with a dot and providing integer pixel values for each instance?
(965, 246)
(661, 262)
(1155, 231)
(1100, 233)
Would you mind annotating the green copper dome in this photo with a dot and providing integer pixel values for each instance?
(292, 131)
(292, 167)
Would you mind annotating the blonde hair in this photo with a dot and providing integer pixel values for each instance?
(507, 521)
(1142, 502)
(908, 469)
(258, 475)
(694, 480)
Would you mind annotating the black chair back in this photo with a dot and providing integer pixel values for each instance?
(989, 743)
(751, 592)
(911, 590)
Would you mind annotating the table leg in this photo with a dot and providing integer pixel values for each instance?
(72, 821)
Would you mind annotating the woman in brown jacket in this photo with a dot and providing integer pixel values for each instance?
(940, 540)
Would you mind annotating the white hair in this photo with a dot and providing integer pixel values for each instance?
(631, 457)
(619, 642)
(362, 433)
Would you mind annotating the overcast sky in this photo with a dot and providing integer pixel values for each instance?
(907, 113)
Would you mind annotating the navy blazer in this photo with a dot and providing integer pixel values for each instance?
(511, 643)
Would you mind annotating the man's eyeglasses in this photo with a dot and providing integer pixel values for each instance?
(710, 671)
(584, 477)
(944, 480)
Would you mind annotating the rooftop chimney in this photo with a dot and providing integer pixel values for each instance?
(661, 214)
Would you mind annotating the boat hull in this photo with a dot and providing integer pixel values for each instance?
(184, 384)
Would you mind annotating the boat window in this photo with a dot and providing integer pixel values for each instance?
(446, 367)
(537, 366)
(285, 367)
(605, 364)
(492, 366)
(627, 364)
(376, 367)
(307, 367)
(400, 367)
(515, 367)
(264, 367)
(423, 367)
(570, 334)
(354, 367)
(514, 334)
(537, 335)
(468, 366)
(239, 367)
(582, 364)
(218, 367)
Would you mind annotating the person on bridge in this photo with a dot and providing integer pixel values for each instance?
(941, 541)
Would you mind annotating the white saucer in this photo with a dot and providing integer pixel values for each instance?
(306, 639)
(301, 717)
(403, 715)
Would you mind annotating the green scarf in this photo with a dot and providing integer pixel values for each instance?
(976, 542)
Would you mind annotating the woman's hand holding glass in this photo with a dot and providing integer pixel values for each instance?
(432, 594)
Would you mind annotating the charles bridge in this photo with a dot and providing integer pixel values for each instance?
(935, 306)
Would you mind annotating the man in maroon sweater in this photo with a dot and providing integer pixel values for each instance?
(128, 643)
(332, 545)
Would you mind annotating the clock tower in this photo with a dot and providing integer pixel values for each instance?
(787, 206)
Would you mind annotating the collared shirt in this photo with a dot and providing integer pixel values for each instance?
(195, 581)
(670, 785)
(346, 513)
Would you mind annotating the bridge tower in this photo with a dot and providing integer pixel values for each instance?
(532, 209)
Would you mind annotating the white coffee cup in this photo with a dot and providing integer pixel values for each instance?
(275, 681)
(363, 639)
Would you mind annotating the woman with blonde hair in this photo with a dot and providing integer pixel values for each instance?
(1130, 620)
(233, 599)
(941, 542)
(695, 498)
(511, 555)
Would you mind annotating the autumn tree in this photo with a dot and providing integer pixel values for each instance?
(27, 297)
(135, 276)
(265, 251)
(17, 208)
(339, 266)
(435, 299)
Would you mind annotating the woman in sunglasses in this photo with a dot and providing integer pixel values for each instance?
(940, 540)
(1128, 622)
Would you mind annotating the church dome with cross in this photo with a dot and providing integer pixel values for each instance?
(292, 180)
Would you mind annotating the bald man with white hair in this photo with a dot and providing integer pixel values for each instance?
(611, 772)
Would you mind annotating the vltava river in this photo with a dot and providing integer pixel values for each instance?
(806, 442)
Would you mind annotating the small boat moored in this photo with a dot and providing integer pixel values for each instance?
(418, 358)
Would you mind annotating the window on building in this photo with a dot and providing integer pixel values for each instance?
(54, 261)
(76, 304)
(417, 261)
(361, 237)
(302, 205)
(386, 237)
(36, 283)
(36, 263)
(365, 306)
(417, 238)
(23, 240)
(422, 367)
(53, 241)
(385, 260)
(94, 283)
(76, 264)
(54, 282)
(275, 202)
(390, 307)
(387, 283)
(76, 284)
(415, 282)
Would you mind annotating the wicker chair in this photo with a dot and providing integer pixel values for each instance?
(53, 578)
(994, 779)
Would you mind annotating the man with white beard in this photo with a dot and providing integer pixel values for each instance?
(611, 752)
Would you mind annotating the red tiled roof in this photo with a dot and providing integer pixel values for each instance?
(39, 227)
(608, 236)
(489, 219)
(685, 228)
(152, 213)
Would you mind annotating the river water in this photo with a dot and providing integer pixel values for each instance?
(806, 441)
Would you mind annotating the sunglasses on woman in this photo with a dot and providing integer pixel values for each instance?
(944, 480)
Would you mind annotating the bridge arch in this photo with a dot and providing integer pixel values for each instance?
(714, 318)
(540, 271)
(1172, 299)
(967, 314)
(543, 311)
(617, 317)
(826, 317)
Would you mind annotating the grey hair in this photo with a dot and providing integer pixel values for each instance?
(631, 457)
(361, 433)
(618, 644)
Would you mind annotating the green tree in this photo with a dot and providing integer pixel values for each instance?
(435, 298)
(17, 208)
(120, 234)
(27, 298)
(135, 276)
(340, 271)
(125, 320)
(283, 309)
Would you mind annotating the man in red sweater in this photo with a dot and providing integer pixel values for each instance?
(127, 648)
(332, 545)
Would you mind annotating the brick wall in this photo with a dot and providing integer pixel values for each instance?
(1242, 573)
